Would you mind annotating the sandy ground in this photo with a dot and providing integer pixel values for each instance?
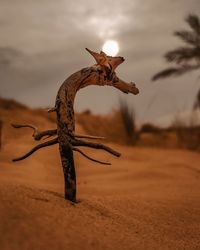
(148, 199)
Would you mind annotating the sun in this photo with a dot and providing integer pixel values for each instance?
(111, 47)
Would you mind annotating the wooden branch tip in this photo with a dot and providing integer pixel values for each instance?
(14, 125)
(35, 129)
(126, 87)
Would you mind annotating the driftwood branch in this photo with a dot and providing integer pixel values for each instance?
(39, 146)
(81, 143)
(126, 87)
(102, 73)
(35, 129)
(37, 135)
(90, 158)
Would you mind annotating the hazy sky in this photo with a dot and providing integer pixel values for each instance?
(42, 43)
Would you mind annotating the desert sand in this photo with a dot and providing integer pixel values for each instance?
(149, 198)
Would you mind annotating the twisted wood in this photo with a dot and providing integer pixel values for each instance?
(102, 73)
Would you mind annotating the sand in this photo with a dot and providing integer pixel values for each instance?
(147, 199)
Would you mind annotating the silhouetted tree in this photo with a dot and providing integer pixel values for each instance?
(185, 58)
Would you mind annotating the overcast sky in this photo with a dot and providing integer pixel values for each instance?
(42, 43)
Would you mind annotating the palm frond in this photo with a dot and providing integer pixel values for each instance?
(166, 73)
(188, 37)
(174, 71)
(186, 58)
(194, 22)
(183, 54)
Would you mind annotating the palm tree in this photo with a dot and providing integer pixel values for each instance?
(185, 58)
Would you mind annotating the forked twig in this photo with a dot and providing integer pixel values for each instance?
(37, 135)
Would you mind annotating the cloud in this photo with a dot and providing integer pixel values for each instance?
(43, 42)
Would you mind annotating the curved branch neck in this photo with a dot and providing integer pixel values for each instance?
(95, 75)
(67, 92)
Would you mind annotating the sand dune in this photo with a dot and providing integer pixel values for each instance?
(148, 199)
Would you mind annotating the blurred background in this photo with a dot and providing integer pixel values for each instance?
(43, 42)
(149, 198)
